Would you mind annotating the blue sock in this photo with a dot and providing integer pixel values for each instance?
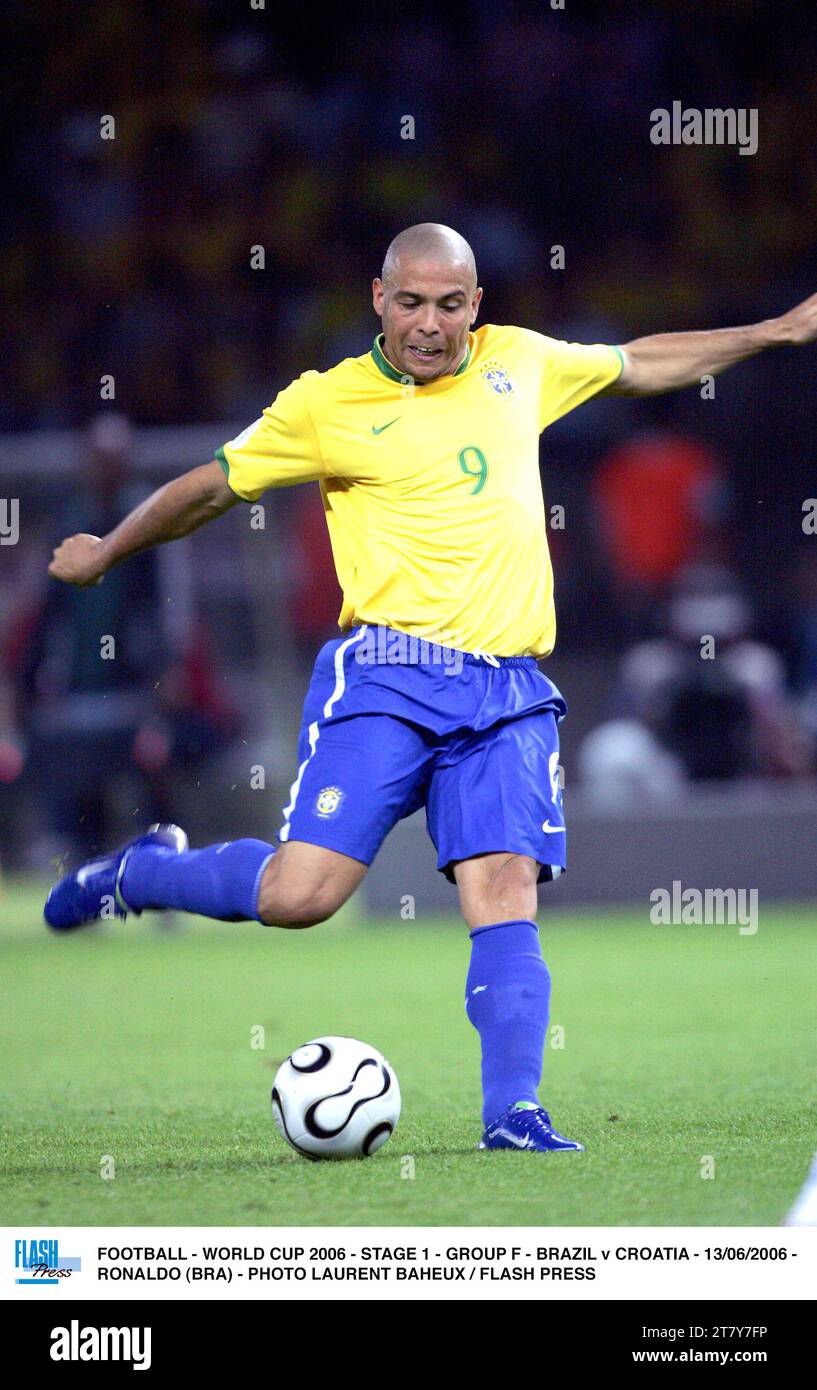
(507, 998)
(219, 881)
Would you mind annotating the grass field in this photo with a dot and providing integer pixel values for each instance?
(134, 1041)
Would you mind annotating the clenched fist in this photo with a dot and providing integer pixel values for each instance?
(78, 560)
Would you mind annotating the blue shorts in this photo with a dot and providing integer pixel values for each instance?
(393, 723)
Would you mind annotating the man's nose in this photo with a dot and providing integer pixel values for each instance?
(428, 319)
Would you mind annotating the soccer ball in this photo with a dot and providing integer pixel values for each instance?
(336, 1098)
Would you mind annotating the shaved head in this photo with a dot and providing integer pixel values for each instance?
(430, 241)
(427, 299)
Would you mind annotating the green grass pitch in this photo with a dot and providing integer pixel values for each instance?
(134, 1041)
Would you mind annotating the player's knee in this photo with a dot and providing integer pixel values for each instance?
(506, 889)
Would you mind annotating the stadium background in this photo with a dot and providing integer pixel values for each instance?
(131, 259)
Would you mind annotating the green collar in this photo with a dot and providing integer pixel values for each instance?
(385, 366)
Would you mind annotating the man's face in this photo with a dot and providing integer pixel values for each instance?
(426, 308)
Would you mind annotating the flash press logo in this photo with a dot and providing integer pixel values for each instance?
(75, 1343)
(40, 1262)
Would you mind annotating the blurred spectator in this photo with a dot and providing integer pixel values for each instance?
(659, 501)
(622, 763)
(704, 703)
(315, 597)
(88, 668)
(803, 640)
(87, 661)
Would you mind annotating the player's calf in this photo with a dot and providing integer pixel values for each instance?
(507, 999)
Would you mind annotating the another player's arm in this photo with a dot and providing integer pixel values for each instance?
(670, 361)
(175, 510)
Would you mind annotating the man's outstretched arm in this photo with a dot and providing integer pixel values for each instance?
(173, 511)
(669, 361)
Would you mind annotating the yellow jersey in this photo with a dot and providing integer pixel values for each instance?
(431, 490)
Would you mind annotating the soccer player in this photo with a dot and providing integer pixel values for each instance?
(426, 450)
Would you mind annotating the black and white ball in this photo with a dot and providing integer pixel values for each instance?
(336, 1098)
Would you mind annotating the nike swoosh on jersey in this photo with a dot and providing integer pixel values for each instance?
(378, 429)
(552, 829)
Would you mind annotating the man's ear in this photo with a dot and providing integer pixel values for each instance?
(476, 304)
(378, 293)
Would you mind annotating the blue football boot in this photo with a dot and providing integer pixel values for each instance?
(93, 891)
(525, 1126)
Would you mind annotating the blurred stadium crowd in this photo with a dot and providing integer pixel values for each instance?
(281, 128)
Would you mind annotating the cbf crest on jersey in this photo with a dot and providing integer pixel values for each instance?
(328, 801)
(495, 376)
